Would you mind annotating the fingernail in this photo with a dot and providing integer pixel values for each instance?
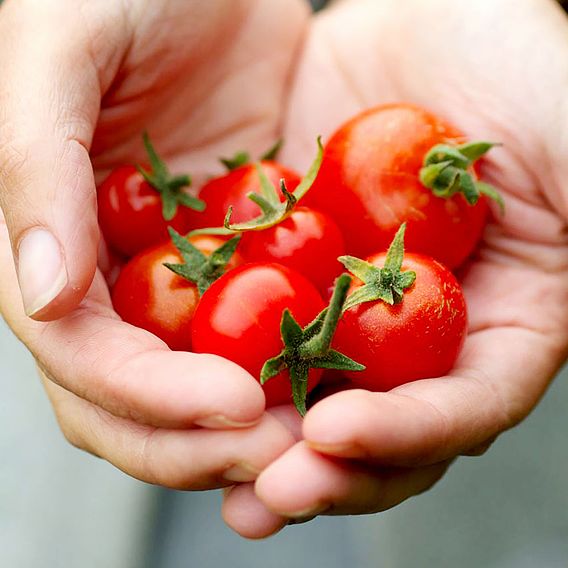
(240, 473)
(333, 449)
(41, 270)
(307, 513)
(220, 422)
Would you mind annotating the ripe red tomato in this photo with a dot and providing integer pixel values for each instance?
(130, 213)
(369, 183)
(232, 189)
(418, 338)
(150, 296)
(239, 318)
(307, 241)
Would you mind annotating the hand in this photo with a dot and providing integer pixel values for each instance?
(478, 65)
(81, 80)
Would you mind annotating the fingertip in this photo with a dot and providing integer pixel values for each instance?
(286, 488)
(43, 277)
(55, 242)
(330, 426)
(244, 513)
(242, 398)
(179, 389)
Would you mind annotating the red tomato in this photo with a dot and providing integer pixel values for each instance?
(233, 188)
(418, 338)
(150, 296)
(130, 213)
(369, 184)
(239, 318)
(308, 241)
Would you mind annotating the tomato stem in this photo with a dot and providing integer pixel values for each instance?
(243, 158)
(387, 283)
(310, 348)
(198, 268)
(170, 188)
(447, 171)
(273, 211)
(237, 161)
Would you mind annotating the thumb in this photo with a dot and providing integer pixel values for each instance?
(49, 101)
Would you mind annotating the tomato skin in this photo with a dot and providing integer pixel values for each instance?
(150, 296)
(239, 318)
(232, 189)
(308, 241)
(419, 338)
(130, 213)
(369, 184)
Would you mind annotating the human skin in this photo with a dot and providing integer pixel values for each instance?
(107, 380)
(361, 53)
(80, 82)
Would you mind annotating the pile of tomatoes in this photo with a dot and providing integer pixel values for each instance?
(348, 268)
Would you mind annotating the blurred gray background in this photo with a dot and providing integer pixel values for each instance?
(62, 508)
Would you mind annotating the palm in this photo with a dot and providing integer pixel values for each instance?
(204, 81)
(453, 58)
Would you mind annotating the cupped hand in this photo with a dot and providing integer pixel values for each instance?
(497, 69)
(80, 82)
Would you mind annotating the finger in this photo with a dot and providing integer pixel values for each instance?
(517, 344)
(289, 417)
(303, 483)
(128, 371)
(243, 511)
(500, 376)
(180, 459)
(480, 449)
(50, 97)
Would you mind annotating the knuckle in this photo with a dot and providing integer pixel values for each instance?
(480, 449)
(148, 465)
(14, 155)
(175, 470)
(69, 433)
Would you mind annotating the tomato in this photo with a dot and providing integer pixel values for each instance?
(232, 189)
(307, 241)
(239, 318)
(136, 205)
(130, 213)
(419, 337)
(150, 296)
(369, 183)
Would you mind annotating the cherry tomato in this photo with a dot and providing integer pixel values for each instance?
(130, 213)
(239, 318)
(232, 189)
(150, 296)
(369, 183)
(307, 241)
(418, 338)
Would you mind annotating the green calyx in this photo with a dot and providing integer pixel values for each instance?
(310, 348)
(169, 187)
(387, 283)
(243, 158)
(273, 211)
(446, 171)
(198, 268)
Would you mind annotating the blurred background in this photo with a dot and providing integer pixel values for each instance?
(61, 508)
